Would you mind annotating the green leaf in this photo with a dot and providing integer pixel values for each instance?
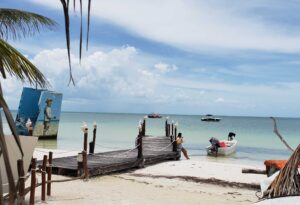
(19, 66)
(16, 24)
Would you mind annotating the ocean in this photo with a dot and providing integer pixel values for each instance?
(256, 140)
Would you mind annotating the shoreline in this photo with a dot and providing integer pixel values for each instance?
(196, 180)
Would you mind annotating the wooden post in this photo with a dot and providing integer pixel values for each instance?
(21, 181)
(144, 127)
(94, 135)
(33, 181)
(85, 165)
(172, 127)
(140, 147)
(166, 128)
(91, 148)
(175, 132)
(49, 172)
(93, 143)
(79, 164)
(43, 192)
(85, 136)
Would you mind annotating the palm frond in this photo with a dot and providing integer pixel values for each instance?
(88, 24)
(65, 5)
(16, 24)
(17, 65)
(80, 41)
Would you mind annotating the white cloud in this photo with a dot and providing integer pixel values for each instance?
(219, 100)
(196, 25)
(123, 79)
(118, 72)
(165, 68)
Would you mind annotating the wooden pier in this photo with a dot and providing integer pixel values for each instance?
(147, 150)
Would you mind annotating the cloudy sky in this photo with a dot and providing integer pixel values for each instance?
(223, 57)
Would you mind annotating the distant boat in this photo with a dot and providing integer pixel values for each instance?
(210, 118)
(154, 115)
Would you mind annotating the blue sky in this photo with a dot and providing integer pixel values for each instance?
(172, 56)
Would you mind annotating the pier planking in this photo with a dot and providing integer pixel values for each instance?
(155, 149)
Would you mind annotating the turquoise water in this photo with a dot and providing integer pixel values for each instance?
(256, 140)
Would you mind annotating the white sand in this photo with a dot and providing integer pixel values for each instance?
(205, 170)
(151, 187)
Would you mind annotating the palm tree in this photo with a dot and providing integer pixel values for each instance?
(16, 24)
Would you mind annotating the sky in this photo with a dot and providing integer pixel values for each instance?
(194, 57)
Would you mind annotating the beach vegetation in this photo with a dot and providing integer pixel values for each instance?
(16, 24)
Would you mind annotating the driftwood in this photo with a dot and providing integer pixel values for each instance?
(287, 183)
(214, 181)
(280, 136)
(253, 171)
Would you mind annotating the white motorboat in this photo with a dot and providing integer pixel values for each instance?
(225, 148)
(28, 144)
(210, 118)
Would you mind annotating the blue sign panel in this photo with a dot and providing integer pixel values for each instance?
(43, 108)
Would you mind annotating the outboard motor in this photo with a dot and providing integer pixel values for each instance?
(231, 135)
(214, 144)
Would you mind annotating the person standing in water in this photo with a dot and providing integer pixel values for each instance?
(47, 116)
(180, 148)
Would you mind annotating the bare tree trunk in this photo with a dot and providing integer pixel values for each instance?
(279, 135)
(1, 189)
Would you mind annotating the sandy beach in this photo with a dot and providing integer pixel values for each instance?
(175, 182)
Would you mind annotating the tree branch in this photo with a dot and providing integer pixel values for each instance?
(275, 130)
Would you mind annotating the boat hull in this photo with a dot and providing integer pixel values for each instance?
(28, 144)
(223, 151)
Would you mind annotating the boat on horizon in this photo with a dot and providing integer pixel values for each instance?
(210, 118)
(154, 115)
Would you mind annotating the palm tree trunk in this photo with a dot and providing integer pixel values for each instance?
(1, 188)
(9, 173)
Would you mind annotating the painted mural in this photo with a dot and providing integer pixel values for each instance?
(43, 108)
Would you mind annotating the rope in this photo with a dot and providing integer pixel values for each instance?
(109, 146)
(56, 154)
(120, 155)
(164, 147)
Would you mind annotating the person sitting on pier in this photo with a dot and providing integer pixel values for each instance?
(180, 148)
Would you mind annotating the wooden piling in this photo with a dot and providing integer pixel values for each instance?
(144, 127)
(175, 132)
(93, 143)
(85, 136)
(94, 136)
(140, 147)
(21, 181)
(85, 166)
(172, 129)
(49, 172)
(33, 181)
(43, 192)
(166, 128)
(79, 164)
